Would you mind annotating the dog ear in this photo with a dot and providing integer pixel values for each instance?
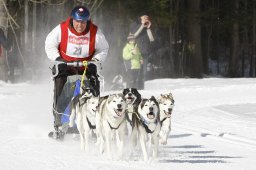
(125, 91)
(170, 95)
(143, 101)
(110, 97)
(153, 98)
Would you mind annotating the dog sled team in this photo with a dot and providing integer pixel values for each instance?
(122, 120)
(76, 46)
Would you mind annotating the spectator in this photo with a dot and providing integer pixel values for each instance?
(132, 52)
(6, 44)
(144, 38)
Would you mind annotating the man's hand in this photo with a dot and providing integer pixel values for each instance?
(133, 51)
(62, 66)
(145, 21)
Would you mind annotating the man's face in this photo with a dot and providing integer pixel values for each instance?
(132, 41)
(79, 26)
(144, 19)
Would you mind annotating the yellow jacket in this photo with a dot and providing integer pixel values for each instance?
(132, 52)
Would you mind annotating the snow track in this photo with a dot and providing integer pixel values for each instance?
(225, 137)
(213, 127)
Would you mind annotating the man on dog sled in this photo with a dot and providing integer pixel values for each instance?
(76, 39)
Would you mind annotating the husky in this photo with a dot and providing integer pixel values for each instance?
(166, 105)
(146, 125)
(117, 83)
(111, 122)
(84, 108)
(132, 99)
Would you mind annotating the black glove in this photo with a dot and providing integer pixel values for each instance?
(62, 66)
(92, 69)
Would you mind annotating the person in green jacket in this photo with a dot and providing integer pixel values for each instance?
(132, 52)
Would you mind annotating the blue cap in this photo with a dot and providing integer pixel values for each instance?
(80, 13)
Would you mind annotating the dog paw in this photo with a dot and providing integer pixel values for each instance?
(163, 142)
(154, 160)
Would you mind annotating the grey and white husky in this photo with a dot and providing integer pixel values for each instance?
(146, 125)
(111, 123)
(166, 105)
(84, 110)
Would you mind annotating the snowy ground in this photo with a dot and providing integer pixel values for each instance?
(214, 125)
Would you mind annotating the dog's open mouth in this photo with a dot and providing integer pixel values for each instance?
(94, 110)
(168, 113)
(151, 115)
(119, 112)
(129, 100)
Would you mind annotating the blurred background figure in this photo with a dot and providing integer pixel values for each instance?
(5, 44)
(132, 53)
(118, 83)
(141, 29)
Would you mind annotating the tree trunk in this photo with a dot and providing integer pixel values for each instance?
(194, 39)
(3, 25)
(172, 34)
(234, 61)
(26, 23)
(253, 63)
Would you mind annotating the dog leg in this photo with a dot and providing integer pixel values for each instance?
(108, 143)
(143, 146)
(72, 116)
(81, 130)
(121, 136)
(82, 140)
(133, 141)
(163, 137)
(155, 143)
(165, 130)
(86, 140)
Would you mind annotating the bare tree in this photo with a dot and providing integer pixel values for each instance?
(3, 25)
(194, 39)
(234, 58)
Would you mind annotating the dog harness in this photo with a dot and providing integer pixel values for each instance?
(90, 124)
(161, 122)
(130, 109)
(111, 127)
(146, 127)
(144, 123)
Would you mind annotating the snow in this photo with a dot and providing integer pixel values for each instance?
(213, 127)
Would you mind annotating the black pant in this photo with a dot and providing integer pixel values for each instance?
(61, 79)
(135, 79)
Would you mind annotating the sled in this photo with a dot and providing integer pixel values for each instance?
(70, 90)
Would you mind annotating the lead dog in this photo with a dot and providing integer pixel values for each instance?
(132, 99)
(84, 110)
(146, 125)
(166, 104)
(111, 123)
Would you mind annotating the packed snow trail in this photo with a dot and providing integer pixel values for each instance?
(213, 127)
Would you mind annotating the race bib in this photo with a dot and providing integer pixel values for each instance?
(78, 46)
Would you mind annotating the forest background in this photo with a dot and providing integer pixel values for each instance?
(193, 38)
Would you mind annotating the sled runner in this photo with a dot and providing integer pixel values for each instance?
(70, 90)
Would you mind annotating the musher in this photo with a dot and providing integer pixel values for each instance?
(76, 39)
